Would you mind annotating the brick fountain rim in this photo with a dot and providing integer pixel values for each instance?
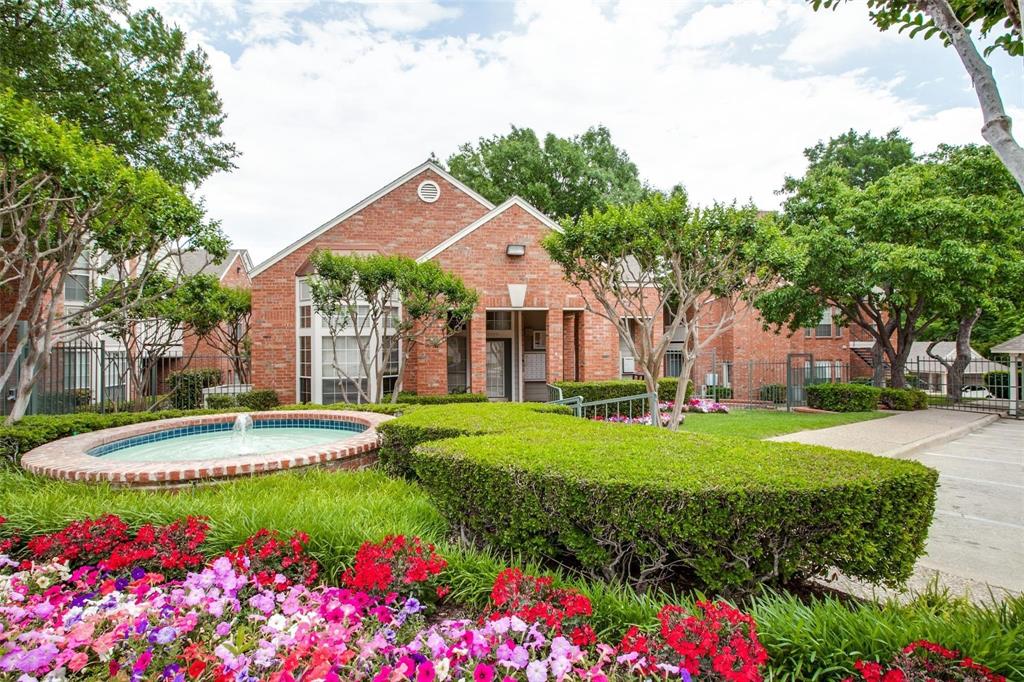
(68, 459)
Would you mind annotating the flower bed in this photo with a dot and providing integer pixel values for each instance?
(255, 613)
(700, 405)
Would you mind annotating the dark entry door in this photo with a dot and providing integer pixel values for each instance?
(499, 369)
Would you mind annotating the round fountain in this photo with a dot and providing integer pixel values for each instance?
(211, 446)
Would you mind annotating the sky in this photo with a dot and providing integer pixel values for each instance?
(329, 101)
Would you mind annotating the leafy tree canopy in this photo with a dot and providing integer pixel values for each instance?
(563, 177)
(125, 78)
(861, 158)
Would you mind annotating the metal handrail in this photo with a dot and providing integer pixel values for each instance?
(575, 402)
(555, 393)
(651, 406)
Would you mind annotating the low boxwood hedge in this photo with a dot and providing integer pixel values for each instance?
(260, 399)
(649, 506)
(904, 399)
(441, 399)
(843, 397)
(592, 391)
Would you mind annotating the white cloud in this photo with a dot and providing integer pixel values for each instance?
(713, 24)
(339, 108)
(827, 35)
(406, 17)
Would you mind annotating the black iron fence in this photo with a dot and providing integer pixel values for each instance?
(95, 377)
(985, 384)
(765, 383)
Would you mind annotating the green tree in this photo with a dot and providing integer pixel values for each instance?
(633, 264)
(900, 258)
(65, 199)
(861, 158)
(218, 315)
(389, 304)
(564, 177)
(998, 20)
(125, 77)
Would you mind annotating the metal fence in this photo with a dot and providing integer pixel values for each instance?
(762, 383)
(984, 385)
(86, 377)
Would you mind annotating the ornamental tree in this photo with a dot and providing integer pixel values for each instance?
(220, 316)
(561, 177)
(633, 264)
(951, 20)
(65, 200)
(389, 304)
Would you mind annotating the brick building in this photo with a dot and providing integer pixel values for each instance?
(530, 327)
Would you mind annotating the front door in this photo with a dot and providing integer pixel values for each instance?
(499, 369)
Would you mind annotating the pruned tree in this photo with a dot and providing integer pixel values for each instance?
(952, 21)
(220, 316)
(62, 199)
(388, 304)
(633, 263)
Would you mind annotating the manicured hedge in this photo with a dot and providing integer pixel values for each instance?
(645, 505)
(843, 397)
(220, 401)
(772, 393)
(378, 408)
(443, 399)
(718, 392)
(904, 399)
(591, 391)
(36, 430)
(262, 399)
(187, 387)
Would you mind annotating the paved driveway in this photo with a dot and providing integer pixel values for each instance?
(978, 530)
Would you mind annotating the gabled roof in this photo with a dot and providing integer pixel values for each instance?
(349, 212)
(1014, 345)
(199, 261)
(486, 218)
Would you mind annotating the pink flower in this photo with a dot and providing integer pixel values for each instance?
(483, 673)
(425, 673)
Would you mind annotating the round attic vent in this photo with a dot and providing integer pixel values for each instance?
(428, 191)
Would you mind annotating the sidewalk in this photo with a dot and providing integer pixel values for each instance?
(976, 541)
(900, 435)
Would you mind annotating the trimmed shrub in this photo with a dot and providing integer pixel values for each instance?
(378, 408)
(220, 401)
(592, 391)
(649, 506)
(843, 397)
(36, 430)
(264, 399)
(187, 387)
(904, 399)
(772, 393)
(861, 381)
(410, 398)
(998, 383)
(718, 392)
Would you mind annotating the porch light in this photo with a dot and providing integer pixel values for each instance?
(515, 250)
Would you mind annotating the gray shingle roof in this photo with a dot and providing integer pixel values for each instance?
(1014, 345)
(199, 262)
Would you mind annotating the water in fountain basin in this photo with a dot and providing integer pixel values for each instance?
(240, 444)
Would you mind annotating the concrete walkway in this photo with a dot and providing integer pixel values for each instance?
(900, 435)
(976, 540)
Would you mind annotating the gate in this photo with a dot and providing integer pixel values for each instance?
(985, 385)
(799, 373)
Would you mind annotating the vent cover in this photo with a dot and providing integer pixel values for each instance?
(428, 191)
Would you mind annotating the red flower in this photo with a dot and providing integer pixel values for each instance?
(394, 564)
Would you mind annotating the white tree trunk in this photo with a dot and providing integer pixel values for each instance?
(997, 127)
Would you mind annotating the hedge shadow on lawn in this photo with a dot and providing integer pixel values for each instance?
(651, 507)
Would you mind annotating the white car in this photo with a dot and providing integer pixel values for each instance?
(975, 391)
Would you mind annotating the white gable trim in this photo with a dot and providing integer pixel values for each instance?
(349, 212)
(486, 218)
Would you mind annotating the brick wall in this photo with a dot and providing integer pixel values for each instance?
(397, 223)
(205, 355)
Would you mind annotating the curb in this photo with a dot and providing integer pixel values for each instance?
(940, 438)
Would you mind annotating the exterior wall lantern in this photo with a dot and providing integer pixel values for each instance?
(515, 250)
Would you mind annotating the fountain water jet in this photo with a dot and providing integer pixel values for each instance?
(240, 435)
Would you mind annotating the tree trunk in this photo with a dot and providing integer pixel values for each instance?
(651, 382)
(33, 365)
(955, 370)
(877, 366)
(997, 127)
(678, 416)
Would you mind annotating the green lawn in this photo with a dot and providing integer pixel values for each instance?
(767, 423)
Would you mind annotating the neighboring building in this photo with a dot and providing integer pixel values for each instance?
(932, 376)
(530, 328)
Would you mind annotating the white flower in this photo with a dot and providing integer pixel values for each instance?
(441, 668)
(277, 622)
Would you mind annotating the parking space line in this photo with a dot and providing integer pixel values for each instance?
(971, 459)
(979, 519)
(978, 480)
